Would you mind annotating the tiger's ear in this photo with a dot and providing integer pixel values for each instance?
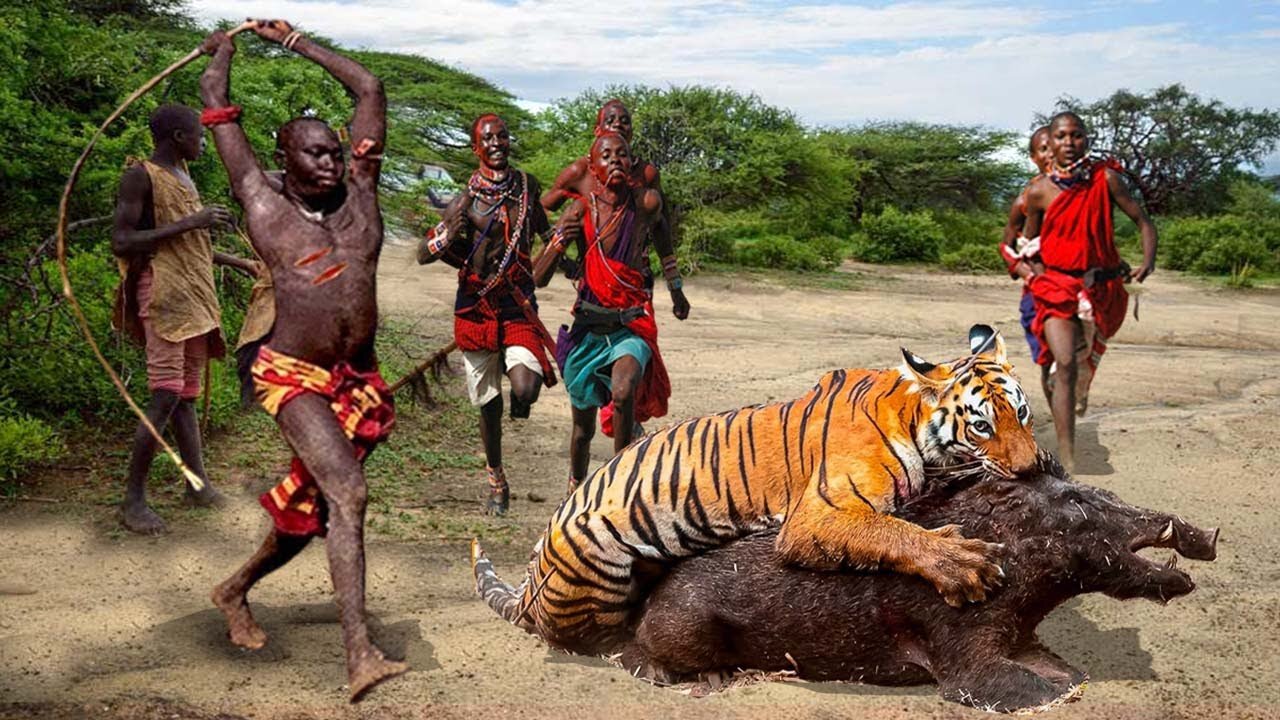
(925, 373)
(984, 340)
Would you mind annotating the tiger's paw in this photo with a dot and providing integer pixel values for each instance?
(962, 569)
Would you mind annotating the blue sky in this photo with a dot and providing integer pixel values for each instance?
(833, 63)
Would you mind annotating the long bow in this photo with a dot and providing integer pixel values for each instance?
(195, 480)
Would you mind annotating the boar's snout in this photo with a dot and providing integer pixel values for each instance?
(1163, 581)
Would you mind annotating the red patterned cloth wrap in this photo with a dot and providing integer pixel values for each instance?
(1076, 236)
(619, 286)
(361, 402)
(480, 327)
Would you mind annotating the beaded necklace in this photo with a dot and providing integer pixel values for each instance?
(498, 193)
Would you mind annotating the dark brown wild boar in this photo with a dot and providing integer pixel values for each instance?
(739, 607)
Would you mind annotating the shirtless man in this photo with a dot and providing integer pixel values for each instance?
(318, 376)
(487, 233)
(576, 181)
(1081, 287)
(609, 358)
(167, 300)
(1022, 255)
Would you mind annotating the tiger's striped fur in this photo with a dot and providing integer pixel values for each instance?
(827, 467)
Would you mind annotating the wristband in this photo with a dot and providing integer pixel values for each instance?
(291, 39)
(670, 267)
(557, 239)
(219, 116)
(675, 283)
(437, 239)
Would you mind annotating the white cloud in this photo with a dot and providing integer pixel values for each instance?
(831, 62)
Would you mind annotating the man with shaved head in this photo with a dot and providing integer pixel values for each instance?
(167, 300)
(609, 358)
(320, 234)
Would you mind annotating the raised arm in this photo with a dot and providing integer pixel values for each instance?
(131, 202)
(1123, 199)
(233, 146)
(565, 183)
(369, 122)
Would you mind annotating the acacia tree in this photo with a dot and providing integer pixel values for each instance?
(1179, 151)
(919, 166)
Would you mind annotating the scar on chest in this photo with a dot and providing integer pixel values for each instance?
(330, 273)
(309, 259)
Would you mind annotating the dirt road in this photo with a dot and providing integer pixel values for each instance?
(1183, 419)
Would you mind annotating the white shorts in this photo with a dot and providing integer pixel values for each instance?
(484, 371)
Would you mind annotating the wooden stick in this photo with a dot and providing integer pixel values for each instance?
(424, 366)
(195, 480)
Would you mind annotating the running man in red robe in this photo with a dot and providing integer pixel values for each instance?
(487, 233)
(1082, 285)
(576, 181)
(610, 358)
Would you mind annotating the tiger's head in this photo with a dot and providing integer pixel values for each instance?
(978, 416)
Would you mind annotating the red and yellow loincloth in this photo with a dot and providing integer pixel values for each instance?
(361, 402)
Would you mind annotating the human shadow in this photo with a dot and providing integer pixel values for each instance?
(1092, 457)
(301, 634)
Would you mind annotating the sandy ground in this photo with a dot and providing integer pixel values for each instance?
(1183, 419)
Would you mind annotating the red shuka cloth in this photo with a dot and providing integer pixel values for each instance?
(480, 329)
(616, 285)
(1076, 235)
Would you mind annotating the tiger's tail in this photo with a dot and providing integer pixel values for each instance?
(504, 599)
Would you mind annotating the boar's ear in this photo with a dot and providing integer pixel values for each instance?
(929, 379)
(986, 342)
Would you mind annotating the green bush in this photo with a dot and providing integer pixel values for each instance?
(973, 258)
(1230, 253)
(24, 442)
(1219, 245)
(961, 230)
(895, 236)
(714, 234)
(782, 252)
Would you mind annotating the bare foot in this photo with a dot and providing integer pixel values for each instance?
(243, 630)
(371, 669)
(139, 518)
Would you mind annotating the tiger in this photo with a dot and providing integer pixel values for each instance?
(826, 469)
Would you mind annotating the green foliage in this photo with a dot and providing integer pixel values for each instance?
(973, 258)
(896, 236)
(917, 166)
(1215, 245)
(24, 442)
(787, 253)
(1181, 152)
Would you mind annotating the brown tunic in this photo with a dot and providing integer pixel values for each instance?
(260, 316)
(184, 303)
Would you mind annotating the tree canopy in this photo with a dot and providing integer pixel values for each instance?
(1180, 151)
